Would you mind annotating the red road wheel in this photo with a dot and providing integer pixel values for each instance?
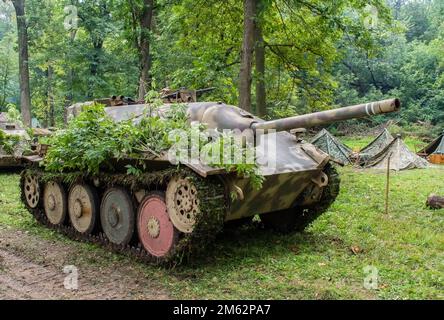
(157, 233)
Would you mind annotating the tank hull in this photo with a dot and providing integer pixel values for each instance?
(10, 162)
(279, 192)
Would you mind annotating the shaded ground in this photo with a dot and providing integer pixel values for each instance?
(33, 268)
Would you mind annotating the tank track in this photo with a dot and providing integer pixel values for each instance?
(209, 223)
(329, 195)
(296, 219)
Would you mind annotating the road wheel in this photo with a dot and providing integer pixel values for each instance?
(157, 233)
(117, 216)
(83, 204)
(55, 203)
(182, 204)
(31, 191)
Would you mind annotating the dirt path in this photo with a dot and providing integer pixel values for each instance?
(33, 268)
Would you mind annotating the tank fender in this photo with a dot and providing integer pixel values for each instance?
(320, 157)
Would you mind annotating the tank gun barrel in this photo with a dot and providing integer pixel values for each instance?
(200, 92)
(330, 116)
(176, 94)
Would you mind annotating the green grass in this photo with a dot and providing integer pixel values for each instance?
(406, 246)
(358, 143)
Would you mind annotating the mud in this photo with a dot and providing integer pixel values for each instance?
(32, 267)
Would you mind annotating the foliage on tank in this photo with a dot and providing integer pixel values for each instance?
(93, 139)
(8, 143)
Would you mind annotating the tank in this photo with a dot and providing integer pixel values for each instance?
(16, 144)
(167, 95)
(170, 211)
(13, 142)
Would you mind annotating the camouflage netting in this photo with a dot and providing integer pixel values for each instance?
(401, 158)
(325, 141)
(435, 147)
(375, 147)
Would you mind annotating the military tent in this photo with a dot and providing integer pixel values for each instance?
(401, 158)
(338, 151)
(375, 147)
(434, 151)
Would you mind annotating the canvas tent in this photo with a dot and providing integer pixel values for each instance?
(401, 158)
(339, 152)
(375, 147)
(436, 146)
(434, 151)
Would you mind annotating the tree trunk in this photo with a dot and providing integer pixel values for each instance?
(51, 120)
(247, 55)
(261, 102)
(94, 67)
(70, 94)
(397, 8)
(5, 85)
(146, 19)
(25, 92)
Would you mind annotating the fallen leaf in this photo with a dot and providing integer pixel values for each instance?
(356, 249)
(294, 249)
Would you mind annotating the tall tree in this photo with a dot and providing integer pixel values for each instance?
(50, 95)
(25, 91)
(96, 18)
(261, 98)
(247, 55)
(142, 21)
(144, 47)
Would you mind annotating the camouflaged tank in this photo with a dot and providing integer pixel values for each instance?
(13, 142)
(170, 211)
(16, 144)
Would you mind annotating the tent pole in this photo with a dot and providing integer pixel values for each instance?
(387, 188)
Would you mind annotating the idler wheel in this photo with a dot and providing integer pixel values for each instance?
(55, 203)
(157, 233)
(32, 191)
(117, 216)
(182, 203)
(83, 204)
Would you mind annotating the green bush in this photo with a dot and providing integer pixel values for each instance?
(8, 143)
